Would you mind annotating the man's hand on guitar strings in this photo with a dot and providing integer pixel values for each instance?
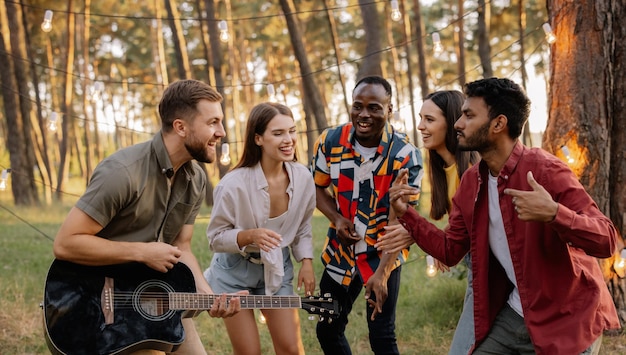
(226, 305)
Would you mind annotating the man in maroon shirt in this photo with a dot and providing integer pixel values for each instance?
(533, 231)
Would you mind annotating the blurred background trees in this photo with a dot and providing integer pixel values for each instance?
(88, 82)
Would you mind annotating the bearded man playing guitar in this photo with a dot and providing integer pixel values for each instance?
(140, 207)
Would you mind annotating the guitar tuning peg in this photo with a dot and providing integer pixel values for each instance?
(311, 317)
(321, 319)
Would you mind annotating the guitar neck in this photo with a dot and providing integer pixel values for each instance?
(198, 301)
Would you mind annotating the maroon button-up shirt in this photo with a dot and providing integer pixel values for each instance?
(565, 300)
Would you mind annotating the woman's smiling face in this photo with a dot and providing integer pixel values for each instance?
(432, 126)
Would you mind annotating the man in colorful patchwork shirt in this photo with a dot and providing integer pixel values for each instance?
(358, 161)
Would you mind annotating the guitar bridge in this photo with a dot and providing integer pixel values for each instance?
(106, 300)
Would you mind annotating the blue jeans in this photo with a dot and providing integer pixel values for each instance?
(464, 337)
(382, 330)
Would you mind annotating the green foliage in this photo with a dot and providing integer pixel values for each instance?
(428, 308)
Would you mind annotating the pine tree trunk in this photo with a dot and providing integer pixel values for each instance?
(372, 57)
(587, 101)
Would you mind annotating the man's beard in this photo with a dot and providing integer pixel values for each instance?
(198, 151)
(477, 141)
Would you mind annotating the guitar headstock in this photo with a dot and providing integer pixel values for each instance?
(325, 307)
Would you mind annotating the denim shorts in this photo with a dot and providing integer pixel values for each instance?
(231, 272)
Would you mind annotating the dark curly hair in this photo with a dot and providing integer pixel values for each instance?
(503, 97)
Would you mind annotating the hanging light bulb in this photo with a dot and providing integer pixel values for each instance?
(620, 264)
(225, 158)
(437, 47)
(224, 35)
(46, 25)
(3, 179)
(271, 92)
(396, 15)
(550, 37)
(52, 124)
(98, 87)
(431, 271)
(567, 155)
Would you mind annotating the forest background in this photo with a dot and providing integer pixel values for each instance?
(87, 82)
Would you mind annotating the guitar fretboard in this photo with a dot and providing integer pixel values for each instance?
(194, 301)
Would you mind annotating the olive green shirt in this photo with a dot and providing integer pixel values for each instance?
(128, 194)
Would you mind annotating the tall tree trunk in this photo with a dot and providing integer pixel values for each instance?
(14, 123)
(311, 91)
(419, 43)
(204, 36)
(371, 26)
(460, 38)
(406, 30)
(27, 187)
(395, 63)
(67, 123)
(217, 64)
(180, 45)
(587, 99)
(521, 25)
(159, 53)
(41, 139)
(334, 37)
(616, 38)
(484, 47)
(89, 156)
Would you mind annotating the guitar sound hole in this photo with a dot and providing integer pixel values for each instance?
(151, 300)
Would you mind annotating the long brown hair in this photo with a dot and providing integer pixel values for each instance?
(259, 118)
(450, 103)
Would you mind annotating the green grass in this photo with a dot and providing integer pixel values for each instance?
(428, 308)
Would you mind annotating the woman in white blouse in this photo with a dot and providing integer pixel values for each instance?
(262, 209)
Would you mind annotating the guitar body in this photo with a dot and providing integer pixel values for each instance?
(76, 323)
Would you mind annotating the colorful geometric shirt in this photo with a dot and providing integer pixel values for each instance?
(360, 188)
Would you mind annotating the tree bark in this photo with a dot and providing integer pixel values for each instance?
(587, 99)
(67, 123)
(484, 47)
(180, 45)
(460, 38)
(419, 43)
(371, 26)
(25, 185)
(334, 37)
(311, 91)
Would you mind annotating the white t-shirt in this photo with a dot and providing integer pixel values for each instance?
(499, 244)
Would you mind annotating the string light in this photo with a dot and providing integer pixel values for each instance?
(550, 37)
(437, 46)
(620, 263)
(567, 155)
(271, 92)
(3, 179)
(431, 271)
(46, 25)
(396, 15)
(225, 158)
(98, 88)
(52, 124)
(224, 35)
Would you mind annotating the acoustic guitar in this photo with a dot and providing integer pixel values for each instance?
(120, 309)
